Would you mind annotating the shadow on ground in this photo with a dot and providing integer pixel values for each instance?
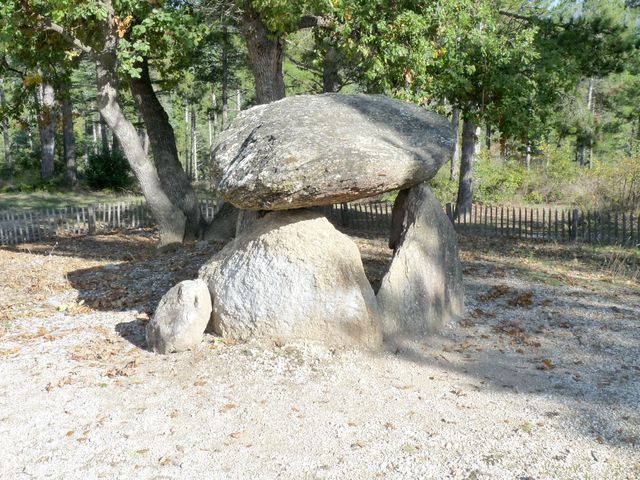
(572, 343)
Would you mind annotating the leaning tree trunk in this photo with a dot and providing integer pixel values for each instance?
(68, 138)
(455, 122)
(171, 220)
(162, 140)
(465, 186)
(47, 129)
(266, 55)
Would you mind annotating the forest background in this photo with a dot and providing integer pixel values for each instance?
(545, 95)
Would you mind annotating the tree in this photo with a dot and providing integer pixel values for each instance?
(118, 37)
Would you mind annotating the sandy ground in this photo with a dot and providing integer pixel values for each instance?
(538, 381)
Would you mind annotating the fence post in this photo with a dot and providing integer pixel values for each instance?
(92, 220)
(343, 214)
(574, 225)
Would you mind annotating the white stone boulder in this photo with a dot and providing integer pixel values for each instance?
(292, 275)
(181, 318)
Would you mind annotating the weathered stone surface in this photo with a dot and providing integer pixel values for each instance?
(423, 289)
(181, 318)
(292, 275)
(321, 149)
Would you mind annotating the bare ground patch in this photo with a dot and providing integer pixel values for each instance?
(540, 379)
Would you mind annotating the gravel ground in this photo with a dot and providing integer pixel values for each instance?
(536, 382)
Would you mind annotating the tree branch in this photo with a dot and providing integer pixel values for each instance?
(308, 21)
(54, 27)
(517, 16)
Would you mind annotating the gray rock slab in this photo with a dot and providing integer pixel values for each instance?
(313, 150)
(292, 275)
(181, 318)
(423, 289)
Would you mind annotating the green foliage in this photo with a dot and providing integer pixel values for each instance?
(108, 170)
(498, 180)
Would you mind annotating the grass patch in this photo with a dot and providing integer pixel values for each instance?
(37, 200)
(557, 264)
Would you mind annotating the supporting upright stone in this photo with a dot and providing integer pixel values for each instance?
(292, 275)
(423, 289)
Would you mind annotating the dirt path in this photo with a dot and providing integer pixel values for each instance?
(536, 382)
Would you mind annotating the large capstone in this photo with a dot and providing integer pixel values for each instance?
(181, 318)
(321, 149)
(292, 275)
(423, 289)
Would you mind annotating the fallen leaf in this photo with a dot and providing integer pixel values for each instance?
(547, 364)
(9, 351)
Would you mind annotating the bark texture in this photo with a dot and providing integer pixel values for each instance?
(162, 140)
(330, 71)
(465, 185)
(68, 137)
(266, 55)
(455, 158)
(47, 129)
(171, 220)
(8, 161)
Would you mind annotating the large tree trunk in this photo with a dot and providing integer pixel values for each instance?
(330, 72)
(47, 128)
(68, 137)
(489, 132)
(225, 79)
(465, 186)
(162, 140)
(171, 220)
(266, 54)
(584, 144)
(194, 143)
(455, 122)
(142, 133)
(8, 161)
(187, 157)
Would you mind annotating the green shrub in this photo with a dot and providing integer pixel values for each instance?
(498, 181)
(108, 170)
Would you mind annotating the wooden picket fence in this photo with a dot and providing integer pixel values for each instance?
(34, 225)
(374, 218)
(544, 224)
(551, 224)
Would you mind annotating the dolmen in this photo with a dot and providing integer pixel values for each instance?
(289, 274)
